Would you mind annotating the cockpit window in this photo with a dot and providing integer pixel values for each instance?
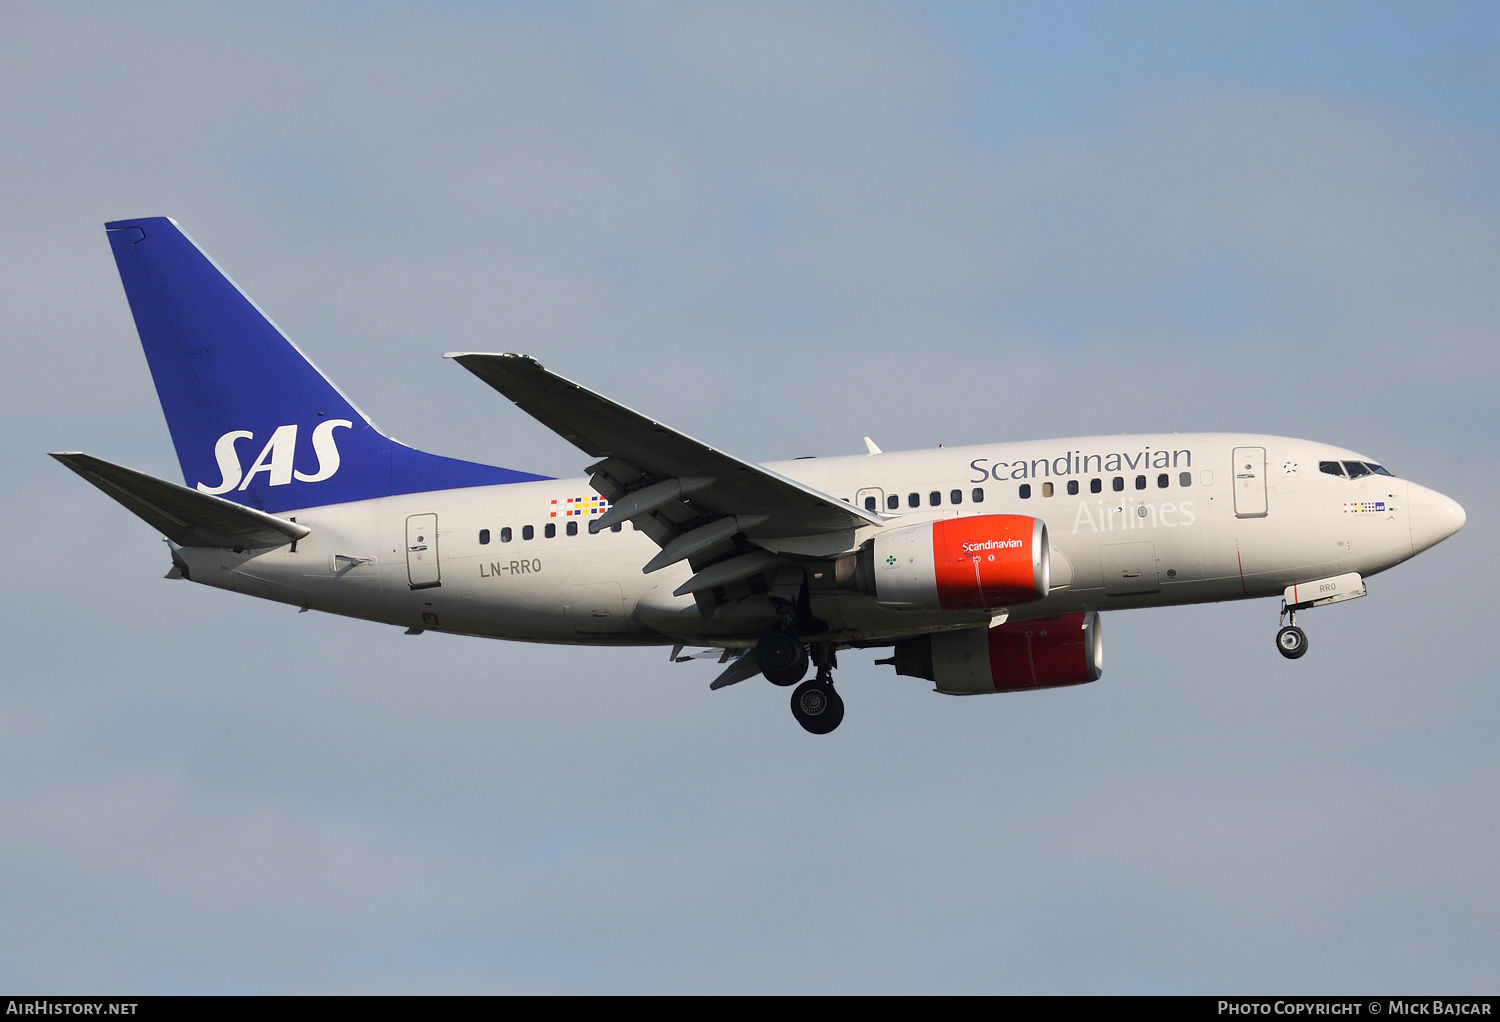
(1354, 469)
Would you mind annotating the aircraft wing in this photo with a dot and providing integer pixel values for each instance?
(689, 497)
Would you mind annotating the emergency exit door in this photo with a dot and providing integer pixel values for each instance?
(422, 552)
(1249, 477)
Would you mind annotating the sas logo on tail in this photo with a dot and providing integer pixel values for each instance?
(276, 457)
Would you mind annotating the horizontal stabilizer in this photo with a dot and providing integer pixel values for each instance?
(186, 517)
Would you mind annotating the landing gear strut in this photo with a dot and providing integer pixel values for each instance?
(815, 704)
(1291, 641)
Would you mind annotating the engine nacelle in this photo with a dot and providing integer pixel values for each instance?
(1045, 653)
(981, 562)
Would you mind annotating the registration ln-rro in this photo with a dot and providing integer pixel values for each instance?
(981, 569)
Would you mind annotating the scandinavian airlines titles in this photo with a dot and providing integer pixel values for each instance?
(1101, 518)
(1078, 463)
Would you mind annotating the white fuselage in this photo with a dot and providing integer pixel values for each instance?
(1188, 525)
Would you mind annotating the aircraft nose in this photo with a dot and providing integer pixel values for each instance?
(1433, 516)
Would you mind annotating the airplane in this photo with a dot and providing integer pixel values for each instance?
(982, 569)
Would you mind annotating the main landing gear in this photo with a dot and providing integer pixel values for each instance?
(783, 659)
(817, 707)
(781, 656)
(1291, 641)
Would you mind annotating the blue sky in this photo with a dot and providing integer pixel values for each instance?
(778, 228)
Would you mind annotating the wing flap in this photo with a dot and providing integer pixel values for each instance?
(186, 517)
(742, 668)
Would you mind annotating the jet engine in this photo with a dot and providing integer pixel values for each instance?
(1043, 653)
(981, 562)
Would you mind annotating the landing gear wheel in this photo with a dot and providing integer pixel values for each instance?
(817, 707)
(1291, 641)
(781, 657)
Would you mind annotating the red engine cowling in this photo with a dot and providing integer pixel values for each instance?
(1044, 653)
(980, 562)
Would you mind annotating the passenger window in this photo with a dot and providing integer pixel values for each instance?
(956, 497)
(869, 503)
(572, 528)
(1332, 468)
(616, 527)
(1185, 479)
(978, 495)
(1163, 481)
(1356, 469)
(913, 500)
(484, 537)
(505, 534)
(1140, 482)
(935, 498)
(527, 532)
(1206, 477)
(1025, 491)
(1378, 470)
(1046, 489)
(1118, 484)
(1072, 487)
(550, 530)
(892, 502)
(1095, 485)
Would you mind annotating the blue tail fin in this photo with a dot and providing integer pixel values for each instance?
(252, 419)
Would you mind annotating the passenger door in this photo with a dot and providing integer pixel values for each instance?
(1249, 477)
(422, 552)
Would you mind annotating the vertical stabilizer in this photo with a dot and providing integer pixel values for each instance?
(252, 419)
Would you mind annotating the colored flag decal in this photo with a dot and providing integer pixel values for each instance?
(579, 506)
(1363, 506)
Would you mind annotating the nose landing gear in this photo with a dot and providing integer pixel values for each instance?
(1291, 641)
